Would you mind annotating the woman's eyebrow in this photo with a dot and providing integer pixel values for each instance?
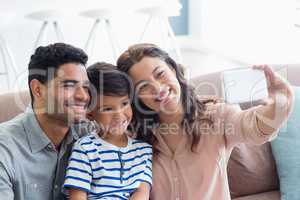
(156, 68)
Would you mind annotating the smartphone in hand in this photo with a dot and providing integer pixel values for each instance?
(244, 85)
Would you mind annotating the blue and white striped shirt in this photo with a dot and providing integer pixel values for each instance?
(106, 171)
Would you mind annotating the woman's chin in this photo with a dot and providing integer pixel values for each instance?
(169, 107)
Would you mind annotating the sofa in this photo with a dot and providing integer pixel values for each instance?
(251, 169)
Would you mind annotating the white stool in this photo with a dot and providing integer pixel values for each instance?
(102, 19)
(160, 15)
(48, 17)
(6, 57)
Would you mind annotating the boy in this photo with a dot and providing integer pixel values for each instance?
(109, 164)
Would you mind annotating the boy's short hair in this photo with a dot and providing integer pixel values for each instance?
(109, 81)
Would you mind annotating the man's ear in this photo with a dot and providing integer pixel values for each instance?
(37, 89)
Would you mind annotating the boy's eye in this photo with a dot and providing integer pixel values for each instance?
(86, 87)
(105, 109)
(125, 103)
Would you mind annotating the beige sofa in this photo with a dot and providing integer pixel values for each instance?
(251, 169)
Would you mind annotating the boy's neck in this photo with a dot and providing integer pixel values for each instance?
(117, 140)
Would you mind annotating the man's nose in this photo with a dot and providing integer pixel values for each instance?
(82, 94)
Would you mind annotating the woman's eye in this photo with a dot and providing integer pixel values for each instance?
(143, 87)
(160, 74)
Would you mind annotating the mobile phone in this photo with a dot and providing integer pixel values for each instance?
(244, 85)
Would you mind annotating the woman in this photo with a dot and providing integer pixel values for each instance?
(193, 138)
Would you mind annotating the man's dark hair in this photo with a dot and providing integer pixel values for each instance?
(109, 81)
(52, 57)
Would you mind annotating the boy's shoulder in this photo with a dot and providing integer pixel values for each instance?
(140, 143)
(86, 140)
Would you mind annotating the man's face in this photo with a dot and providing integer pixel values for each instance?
(68, 94)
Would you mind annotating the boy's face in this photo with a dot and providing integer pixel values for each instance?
(113, 113)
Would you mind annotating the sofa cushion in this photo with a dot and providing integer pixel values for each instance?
(11, 104)
(273, 195)
(286, 152)
(252, 170)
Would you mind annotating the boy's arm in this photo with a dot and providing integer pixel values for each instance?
(77, 194)
(142, 193)
(78, 173)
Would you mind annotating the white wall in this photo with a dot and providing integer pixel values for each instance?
(223, 34)
(254, 31)
(20, 33)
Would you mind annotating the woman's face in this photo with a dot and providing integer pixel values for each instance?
(156, 85)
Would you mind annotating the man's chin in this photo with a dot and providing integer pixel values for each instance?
(78, 119)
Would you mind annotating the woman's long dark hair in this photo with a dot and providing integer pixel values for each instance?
(194, 108)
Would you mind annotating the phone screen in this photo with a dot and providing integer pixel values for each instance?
(244, 85)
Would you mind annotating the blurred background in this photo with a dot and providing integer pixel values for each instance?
(204, 35)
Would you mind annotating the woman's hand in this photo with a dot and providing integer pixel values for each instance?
(278, 105)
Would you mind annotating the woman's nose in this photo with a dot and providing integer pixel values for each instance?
(156, 87)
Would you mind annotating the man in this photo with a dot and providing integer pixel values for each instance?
(35, 146)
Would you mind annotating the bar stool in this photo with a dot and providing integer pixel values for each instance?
(48, 18)
(6, 57)
(158, 19)
(102, 22)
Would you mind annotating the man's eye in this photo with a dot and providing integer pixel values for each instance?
(68, 85)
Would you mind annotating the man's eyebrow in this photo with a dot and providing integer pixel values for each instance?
(69, 81)
(74, 81)
(141, 81)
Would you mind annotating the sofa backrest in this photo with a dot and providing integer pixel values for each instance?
(251, 169)
(12, 104)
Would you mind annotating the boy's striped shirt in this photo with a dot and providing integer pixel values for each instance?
(104, 170)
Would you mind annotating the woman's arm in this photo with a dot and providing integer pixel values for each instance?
(77, 194)
(142, 193)
(279, 104)
(258, 124)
